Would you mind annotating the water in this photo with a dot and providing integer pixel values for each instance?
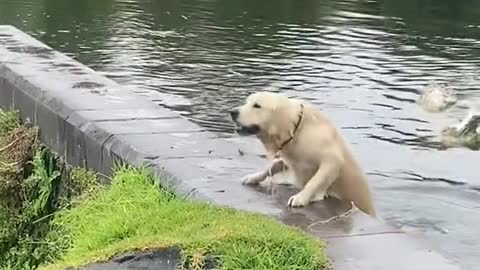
(362, 62)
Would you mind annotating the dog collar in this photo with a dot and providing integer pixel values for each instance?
(300, 117)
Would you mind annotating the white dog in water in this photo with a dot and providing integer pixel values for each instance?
(302, 139)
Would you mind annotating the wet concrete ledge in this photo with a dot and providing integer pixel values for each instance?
(93, 122)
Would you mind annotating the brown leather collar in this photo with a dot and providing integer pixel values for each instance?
(300, 117)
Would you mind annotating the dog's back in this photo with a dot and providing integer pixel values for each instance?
(352, 184)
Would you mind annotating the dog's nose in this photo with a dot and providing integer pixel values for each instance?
(234, 113)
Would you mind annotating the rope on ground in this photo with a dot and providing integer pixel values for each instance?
(348, 212)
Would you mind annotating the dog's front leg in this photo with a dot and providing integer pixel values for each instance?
(318, 184)
(274, 167)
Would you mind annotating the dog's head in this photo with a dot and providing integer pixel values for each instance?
(262, 112)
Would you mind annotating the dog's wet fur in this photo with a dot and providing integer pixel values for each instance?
(298, 136)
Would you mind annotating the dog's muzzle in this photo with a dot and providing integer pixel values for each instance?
(248, 130)
(241, 129)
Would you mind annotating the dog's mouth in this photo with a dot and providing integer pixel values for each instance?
(243, 129)
(248, 130)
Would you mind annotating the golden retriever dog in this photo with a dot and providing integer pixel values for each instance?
(300, 138)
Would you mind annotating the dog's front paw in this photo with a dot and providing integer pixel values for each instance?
(320, 196)
(251, 179)
(299, 200)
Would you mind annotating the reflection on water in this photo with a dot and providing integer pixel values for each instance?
(362, 62)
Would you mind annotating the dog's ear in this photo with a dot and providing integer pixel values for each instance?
(283, 121)
(281, 103)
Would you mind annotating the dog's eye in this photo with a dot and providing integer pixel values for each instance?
(257, 106)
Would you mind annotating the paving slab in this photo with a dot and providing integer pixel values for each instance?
(384, 251)
(93, 122)
(148, 126)
(127, 114)
(176, 144)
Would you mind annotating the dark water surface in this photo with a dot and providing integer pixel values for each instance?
(362, 62)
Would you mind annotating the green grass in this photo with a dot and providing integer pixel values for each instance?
(58, 217)
(136, 214)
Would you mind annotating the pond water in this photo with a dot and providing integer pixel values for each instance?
(363, 62)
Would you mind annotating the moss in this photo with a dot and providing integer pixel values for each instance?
(135, 213)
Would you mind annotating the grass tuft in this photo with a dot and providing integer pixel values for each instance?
(8, 121)
(134, 213)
